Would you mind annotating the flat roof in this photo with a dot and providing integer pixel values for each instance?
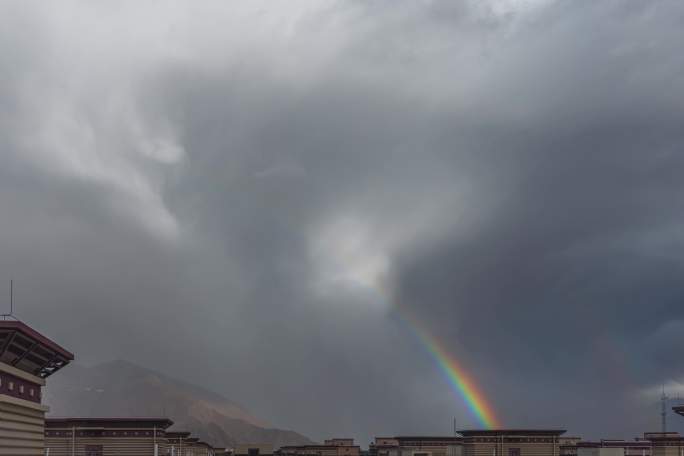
(26, 349)
(128, 422)
(423, 437)
(314, 447)
(515, 432)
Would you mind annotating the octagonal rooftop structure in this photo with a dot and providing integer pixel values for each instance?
(26, 349)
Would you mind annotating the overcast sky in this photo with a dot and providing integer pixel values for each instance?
(216, 189)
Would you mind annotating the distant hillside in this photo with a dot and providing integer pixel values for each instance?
(121, 388)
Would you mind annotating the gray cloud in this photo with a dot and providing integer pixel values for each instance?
(229, 185)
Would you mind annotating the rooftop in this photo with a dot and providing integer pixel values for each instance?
(128, 422)
(426, 438)
(26, 349)
(514, 432)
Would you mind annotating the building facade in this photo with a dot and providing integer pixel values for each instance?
(253, 449)
(665, 443)
(27, 358)
(339, 442)
(512, 442)
(106, 436)
(638, 447)
(417, 446)
(176, 443)
(331, 447)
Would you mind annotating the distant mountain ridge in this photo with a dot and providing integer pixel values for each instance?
(121, 388)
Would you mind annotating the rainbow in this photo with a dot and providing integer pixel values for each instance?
(459, 379)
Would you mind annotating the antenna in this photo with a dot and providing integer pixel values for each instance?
(11, 312)
(455, 432)
(663, 411)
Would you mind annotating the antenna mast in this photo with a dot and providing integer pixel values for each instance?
(11, 312)
(663, 411)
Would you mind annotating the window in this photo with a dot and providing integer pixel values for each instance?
(11, 386)
(32, 392)
(93, 450)
(21, 389)
(514, 452)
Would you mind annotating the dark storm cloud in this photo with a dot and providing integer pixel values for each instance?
(228, 186)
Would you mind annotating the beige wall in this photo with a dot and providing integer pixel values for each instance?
(667, 451)
(22, 422)
(441, 450)
(498, 449)
(111, 446)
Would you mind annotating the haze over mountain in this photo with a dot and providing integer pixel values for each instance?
(121, 388)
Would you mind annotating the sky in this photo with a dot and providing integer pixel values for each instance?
(249, 195)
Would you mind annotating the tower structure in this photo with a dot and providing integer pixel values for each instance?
(27, 358)
(663, 411)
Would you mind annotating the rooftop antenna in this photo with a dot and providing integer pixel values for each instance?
(663, 411)
(455, 432)
(11, 312)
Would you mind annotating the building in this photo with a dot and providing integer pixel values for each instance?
(253, 449)
(193, 446)
(339, 442)
(637, 447)
(512, 442)
(106, 436)
(568, 445)
(417, 446)
(201, 448)
(331, 447)
(176, 442)
(27, 358)
(665, 443)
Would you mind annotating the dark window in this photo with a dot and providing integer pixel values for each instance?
(253, 452)
(514, 452)
(93, 450)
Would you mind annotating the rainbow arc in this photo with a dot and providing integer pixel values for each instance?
(459, 379)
